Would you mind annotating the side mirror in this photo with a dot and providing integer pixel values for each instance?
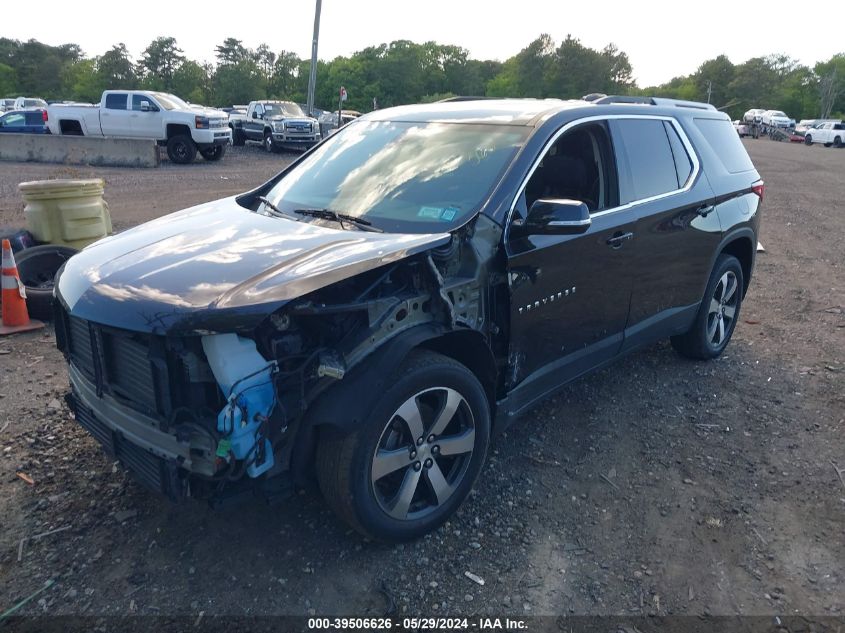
(254, 114)
(145, 106)
(556, 217)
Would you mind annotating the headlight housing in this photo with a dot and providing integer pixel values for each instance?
(279, 126)
(201, 122)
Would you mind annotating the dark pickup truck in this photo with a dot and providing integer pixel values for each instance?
(378, 310)
(277, 125)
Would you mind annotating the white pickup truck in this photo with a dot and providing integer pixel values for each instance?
(828, 133)
(184, 129)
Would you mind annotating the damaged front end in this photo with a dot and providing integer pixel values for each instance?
(210, 414)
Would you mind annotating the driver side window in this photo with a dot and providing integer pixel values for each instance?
(579, 166)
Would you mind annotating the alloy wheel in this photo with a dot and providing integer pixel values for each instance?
(423, 453)
(722, 311)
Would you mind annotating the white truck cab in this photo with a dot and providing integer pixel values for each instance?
(183, 128)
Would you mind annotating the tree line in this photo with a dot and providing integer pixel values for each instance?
(407, 72)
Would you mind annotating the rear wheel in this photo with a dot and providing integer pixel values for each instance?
(213, 153)
(238, 138)
(808, 140)
(710, 333)
(406, 469)
(837, 142)
(181, 149)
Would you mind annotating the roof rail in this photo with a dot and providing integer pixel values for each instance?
(657, 101)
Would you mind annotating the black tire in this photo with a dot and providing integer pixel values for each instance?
(37, 267)
(837, 142)
(808, 140)
(346, 463)
(827, 144)
(716, 320)
(181, 149)
(238, 138)
(213, 153)
(269, 144)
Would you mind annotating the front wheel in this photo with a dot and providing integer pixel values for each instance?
(270, 144)
(213, 153)
(181, 149)
(405, 470)
(710, 333)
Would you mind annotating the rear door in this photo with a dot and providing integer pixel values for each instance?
(254, 124)
(115, 116)
(677, 230)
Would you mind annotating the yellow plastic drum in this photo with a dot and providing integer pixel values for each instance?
(69, 212)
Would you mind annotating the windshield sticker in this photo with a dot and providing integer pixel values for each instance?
(447, 214)
(430, 212)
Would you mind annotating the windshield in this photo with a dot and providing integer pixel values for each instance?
(778, 113)
(169, 101)
(402, 177)
(286, 109)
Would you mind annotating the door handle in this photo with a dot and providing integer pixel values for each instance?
(705, 210)
(618, 239)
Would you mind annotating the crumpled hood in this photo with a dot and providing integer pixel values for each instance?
(216, 266)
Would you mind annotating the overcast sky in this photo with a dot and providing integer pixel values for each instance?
(662, 38)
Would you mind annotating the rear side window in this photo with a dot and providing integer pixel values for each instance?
(116, 101)
(725, 143)
(683, 164)
(651, 164)
(34, 118)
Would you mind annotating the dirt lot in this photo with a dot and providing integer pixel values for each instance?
(657, 486)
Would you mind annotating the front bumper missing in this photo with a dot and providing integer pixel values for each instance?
(159, 460)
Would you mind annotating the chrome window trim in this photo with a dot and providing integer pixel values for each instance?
(696, 165)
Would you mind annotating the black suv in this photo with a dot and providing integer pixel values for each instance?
(380, 308)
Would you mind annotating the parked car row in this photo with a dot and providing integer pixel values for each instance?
(772, 118)
(22, 103)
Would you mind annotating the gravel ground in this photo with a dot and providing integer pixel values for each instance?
(656, 486)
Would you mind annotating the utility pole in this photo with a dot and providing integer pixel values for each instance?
(709, 90)
(312, 80)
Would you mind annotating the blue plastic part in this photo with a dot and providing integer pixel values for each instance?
(245, 378)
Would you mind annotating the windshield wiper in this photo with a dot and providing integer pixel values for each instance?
(340, 218)
(276, 210)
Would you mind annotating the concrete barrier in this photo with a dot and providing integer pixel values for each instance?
(79, 150)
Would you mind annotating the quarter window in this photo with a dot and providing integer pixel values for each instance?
(651, 164)
(683, 164)
(116, 101)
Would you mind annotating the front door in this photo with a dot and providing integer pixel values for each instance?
(146, 124)
(569, 293)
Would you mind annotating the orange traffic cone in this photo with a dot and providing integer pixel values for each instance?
(15, 315)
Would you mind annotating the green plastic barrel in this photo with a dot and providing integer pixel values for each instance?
(69, 212)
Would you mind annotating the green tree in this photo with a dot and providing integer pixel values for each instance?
(160, 61)
(8, 80)
(190, 82)
(238, 83)
(231, 52)
(116, 69)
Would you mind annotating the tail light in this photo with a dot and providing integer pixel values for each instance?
(44, 116)
(759, 188)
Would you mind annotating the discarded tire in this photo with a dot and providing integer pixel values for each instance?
(37, 268)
